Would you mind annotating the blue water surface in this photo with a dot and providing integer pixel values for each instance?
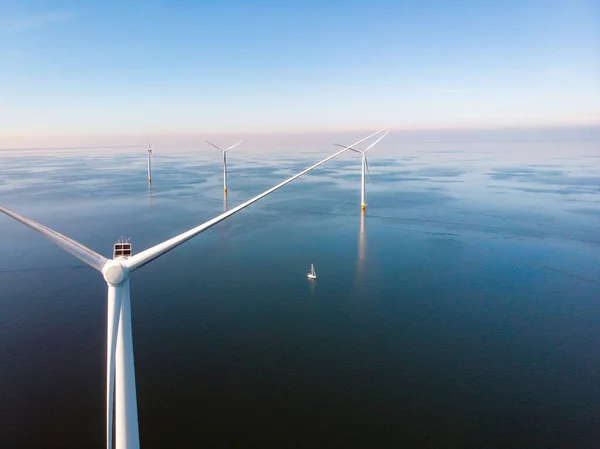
(461, 310)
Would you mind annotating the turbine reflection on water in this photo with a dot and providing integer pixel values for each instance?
(150, 195)
(361, 249)
(313, 283)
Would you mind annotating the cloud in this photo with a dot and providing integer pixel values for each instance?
(32, 22)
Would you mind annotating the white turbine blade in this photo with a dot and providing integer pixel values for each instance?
(213, 145)
(351, 147)
(232, 146)
(367, 167)
(84, 254)
(375, 143)
(115, 296)
(348, 148)
(141, 259)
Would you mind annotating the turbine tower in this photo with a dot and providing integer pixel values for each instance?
(364, 167)
(225, 161)
(150, 148)
(120, 373)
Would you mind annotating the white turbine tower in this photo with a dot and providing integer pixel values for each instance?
(364, 167)
(225, 161)
(120, 378)
(150, 148)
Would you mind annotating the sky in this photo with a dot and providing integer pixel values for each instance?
(175, 67)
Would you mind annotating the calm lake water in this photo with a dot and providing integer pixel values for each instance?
(462, 310)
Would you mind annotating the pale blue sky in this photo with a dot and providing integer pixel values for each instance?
(77, 67)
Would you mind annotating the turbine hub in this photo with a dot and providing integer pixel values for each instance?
(115, 273)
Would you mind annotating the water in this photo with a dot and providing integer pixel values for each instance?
(460, 311)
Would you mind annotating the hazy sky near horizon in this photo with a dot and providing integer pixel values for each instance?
(77, 67)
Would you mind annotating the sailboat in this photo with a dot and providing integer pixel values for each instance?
(313, 273)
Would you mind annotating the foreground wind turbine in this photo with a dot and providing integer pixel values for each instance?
(225, 161)
(365, 166)
(150, 148)
(120, 377)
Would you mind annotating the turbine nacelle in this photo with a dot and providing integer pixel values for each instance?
(350, 148)
(122, 249)
(364, 152)
(226, 149)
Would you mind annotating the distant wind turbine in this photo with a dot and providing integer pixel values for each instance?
(364, 165)
(225, 161)
(150, 148)
(120, 374)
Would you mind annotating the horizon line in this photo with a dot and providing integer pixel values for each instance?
(406, 129)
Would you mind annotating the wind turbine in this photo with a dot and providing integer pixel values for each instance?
(120, 377)
(225, 161)
(364, 167)
(150, 148)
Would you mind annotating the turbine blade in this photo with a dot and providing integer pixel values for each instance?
(375, 143)
(115, 296)
(233, 146)
(213, 145)
(147, 256)
(351, 147)
(367, 167)
(348, 148)
(83, 253)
